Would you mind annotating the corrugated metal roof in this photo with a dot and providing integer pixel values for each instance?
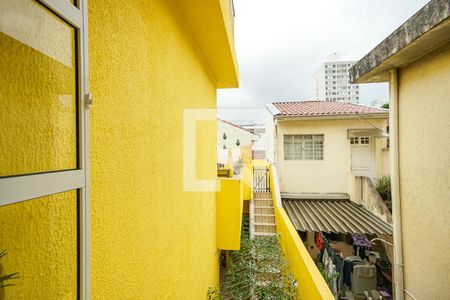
(338, 216)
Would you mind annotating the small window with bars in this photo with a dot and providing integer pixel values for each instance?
(365, 140)
(303, 147)
(354, 140)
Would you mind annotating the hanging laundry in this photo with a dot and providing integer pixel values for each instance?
(360, 244)
(319, 241)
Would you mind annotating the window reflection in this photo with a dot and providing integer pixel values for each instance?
(38, 111)
(40, 237)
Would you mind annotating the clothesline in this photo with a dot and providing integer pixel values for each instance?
(334, 262)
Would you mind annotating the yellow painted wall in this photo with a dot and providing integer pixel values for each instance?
(150, 240)
(247, 177)
(333, 173)
(37, 134)
(424, 145)
(229, 208)
(311, 285)
(40, 236)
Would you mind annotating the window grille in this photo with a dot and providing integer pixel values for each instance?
(303, 147)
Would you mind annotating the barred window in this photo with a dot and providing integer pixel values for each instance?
(303, 147)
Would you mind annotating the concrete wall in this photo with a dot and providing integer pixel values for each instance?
(385, 167)
(270, 135)
(424, 145)
(367, 195)
(333, 173)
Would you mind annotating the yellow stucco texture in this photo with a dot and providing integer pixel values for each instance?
(311, 285)
(230, 199)
(40, 236)
(424, 150)
(150, 239)
(37, 101)
(38, 134)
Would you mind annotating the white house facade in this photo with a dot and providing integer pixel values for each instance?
(320, 146)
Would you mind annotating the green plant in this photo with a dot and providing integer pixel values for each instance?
(328, 278)
(5, 279)
(383, 184)
(258, 270)
(213, 293)
(386, 106)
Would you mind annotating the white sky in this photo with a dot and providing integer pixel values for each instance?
(281, 43)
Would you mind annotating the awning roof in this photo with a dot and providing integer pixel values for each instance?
(338, 216)
(366, 132)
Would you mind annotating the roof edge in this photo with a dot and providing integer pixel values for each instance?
(426, 30)
(272, 109)
(316, 196)
(237, 126)
(379, 115)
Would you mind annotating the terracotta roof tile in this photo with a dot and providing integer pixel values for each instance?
(324, 108)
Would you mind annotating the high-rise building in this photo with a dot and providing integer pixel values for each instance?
(331, 81)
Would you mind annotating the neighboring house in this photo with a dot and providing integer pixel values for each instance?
(415, 60)
(230, 135)
(123, 226)
(326, 154)
(331, 81)
(320, 146)
(259, 148)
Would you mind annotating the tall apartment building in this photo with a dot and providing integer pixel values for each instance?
(331, 81)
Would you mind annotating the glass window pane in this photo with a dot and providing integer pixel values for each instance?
(298, 147)
(308, 147)
(288, 147)
(38, 111)
(40, 237)
(318, 147)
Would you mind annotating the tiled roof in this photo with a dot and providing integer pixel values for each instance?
(324, 108)
(237, 126)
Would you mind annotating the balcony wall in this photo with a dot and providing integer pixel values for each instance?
(311, 285)
(229, 213)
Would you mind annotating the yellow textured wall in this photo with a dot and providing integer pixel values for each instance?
(150, 240)
(247, 177)
(229, 214)
(37, 94)
(37, 134)
(40, 236)
(424, 145)
(333, 173)
(311, 285)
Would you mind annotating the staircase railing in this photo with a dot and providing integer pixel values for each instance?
(261, 179)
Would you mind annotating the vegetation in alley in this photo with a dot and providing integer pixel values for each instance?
(258, 270)
(5, 280)
(383, 185)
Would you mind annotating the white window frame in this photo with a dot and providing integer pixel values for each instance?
(15, 189)
(302, 150)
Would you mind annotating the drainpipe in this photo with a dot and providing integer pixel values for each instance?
(395, 185)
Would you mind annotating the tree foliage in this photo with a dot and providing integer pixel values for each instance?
(258, 270)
